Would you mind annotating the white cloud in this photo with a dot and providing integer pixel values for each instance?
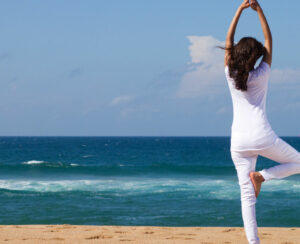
(202, 50)
(121, 100)
(206, 70)
(206, 73)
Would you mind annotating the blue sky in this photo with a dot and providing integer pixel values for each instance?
(135, 67)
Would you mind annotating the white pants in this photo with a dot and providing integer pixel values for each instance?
(245, 162)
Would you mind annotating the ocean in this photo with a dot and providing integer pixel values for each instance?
(157, 181)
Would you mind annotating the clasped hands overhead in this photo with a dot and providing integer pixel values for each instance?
(250, 3)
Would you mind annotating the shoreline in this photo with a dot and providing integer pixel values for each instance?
(110, 234)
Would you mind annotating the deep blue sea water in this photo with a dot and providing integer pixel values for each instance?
(159, 181)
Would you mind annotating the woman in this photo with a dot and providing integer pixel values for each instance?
(251, 133)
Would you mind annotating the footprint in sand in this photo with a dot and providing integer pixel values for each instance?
(57, 239)
(92, 237)
(68, 227)
(228, 230)
(173, 237)
(99, 237)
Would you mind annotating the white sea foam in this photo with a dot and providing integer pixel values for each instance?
(87, 156)
(57, 164)
(196, 188)
(282, 185)
(131, 186)
(34, 162)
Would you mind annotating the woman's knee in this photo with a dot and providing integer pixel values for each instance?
(247, 190)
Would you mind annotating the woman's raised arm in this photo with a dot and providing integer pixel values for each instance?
(231, 31)
(266, 30)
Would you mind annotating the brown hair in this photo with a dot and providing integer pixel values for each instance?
(242, 58)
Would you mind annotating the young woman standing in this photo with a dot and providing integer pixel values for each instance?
(251, 133)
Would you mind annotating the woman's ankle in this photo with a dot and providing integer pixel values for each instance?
(262, 179)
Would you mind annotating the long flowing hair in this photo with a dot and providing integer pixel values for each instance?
(242, 58)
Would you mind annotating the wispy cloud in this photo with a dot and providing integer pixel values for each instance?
(293, 106)
(285, 75)
(121, 100)
(130, 106)
(4, 55)
(138, 109)
(224, 110)
(75, 72)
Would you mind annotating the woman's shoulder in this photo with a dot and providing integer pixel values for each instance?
(263, 66)
(262, 70)
(226, 69)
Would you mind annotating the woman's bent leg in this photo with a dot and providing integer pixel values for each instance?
(245, 162)
(286, 155)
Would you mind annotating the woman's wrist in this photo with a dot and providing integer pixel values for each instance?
(240, 8)
(259, 10)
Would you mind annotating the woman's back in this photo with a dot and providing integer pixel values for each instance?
(250, 128)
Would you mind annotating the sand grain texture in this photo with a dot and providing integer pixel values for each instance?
(140, 234)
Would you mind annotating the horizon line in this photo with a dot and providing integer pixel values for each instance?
(120, 136)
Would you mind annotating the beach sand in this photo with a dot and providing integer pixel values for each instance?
(140, 234)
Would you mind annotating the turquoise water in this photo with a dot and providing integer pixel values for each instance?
(160, 181)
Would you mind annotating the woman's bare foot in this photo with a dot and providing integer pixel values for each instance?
(257, 179)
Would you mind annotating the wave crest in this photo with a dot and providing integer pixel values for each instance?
(34, 162)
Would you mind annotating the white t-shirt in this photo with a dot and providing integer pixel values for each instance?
(250, 128)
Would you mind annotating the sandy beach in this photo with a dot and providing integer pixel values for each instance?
(140, 234)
